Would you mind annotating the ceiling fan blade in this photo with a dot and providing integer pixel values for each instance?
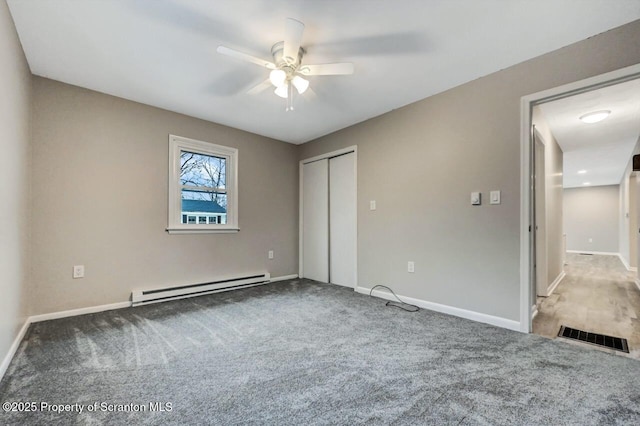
(292, 38)
(343, 68)
(244, 57)
(259, 88)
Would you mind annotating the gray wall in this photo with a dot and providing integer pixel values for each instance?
(592, 212)
(15, 87)
(100, 173)
(629, 211)
(421, 162)
(553, 197)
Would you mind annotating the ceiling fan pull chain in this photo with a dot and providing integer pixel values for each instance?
(289, 97)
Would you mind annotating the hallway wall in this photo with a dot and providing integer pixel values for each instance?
(553, 197)
(628, 226)
(591, 217)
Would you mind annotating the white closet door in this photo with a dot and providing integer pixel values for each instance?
(315, 226)
(342, 220)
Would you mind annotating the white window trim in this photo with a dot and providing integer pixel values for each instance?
(179, 143)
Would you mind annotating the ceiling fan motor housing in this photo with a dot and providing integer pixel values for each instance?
(289, 65)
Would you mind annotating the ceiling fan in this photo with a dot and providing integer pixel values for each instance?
(287, 69)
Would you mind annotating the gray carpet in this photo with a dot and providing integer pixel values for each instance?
(301, 352)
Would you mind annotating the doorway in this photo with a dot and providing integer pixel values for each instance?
(597, 292)
(328, 218)
(528, 284)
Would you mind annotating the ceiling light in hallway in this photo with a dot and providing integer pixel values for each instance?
(594, 117)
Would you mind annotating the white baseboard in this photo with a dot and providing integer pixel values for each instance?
(626, 264)
(110, 307)
(607, 253)
(555, 283)
(81, 311)
(284, 278)
(458, 312)
(534, 311)
(604, 253)
(14, 347)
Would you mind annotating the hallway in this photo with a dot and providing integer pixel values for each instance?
(597, 295)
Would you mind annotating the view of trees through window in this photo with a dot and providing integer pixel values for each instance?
(202, 180)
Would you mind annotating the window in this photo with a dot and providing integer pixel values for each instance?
(202, 187)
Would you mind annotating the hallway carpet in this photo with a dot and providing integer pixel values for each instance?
(301, 352)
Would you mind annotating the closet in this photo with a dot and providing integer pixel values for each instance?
(328, 219)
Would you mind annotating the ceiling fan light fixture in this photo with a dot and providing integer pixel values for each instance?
(300, 84)
(282, 91)
(594, 117)
(277, 77)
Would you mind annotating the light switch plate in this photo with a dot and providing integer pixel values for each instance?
(476, 199)
(78, 271)
(372, 205)
(494, 197)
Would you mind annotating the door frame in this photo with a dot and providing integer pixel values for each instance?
(526, 203)
(540, 243)
(350, 149)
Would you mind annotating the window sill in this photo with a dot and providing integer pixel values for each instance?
(202, 230)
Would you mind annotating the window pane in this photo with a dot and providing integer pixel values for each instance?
(202, 170)
(203, 204)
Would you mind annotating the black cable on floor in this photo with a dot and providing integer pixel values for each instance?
(402, 305)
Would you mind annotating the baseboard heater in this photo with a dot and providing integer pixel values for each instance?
(145, 297)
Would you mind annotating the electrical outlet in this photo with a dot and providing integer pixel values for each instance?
(78, 271)
(590, 240)
(270, 254)
(411, 267)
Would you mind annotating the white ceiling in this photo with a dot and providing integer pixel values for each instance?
(163, 53)
(602, 149)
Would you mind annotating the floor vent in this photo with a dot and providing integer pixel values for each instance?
(144, 297)
(585, 254)
(616, 343)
